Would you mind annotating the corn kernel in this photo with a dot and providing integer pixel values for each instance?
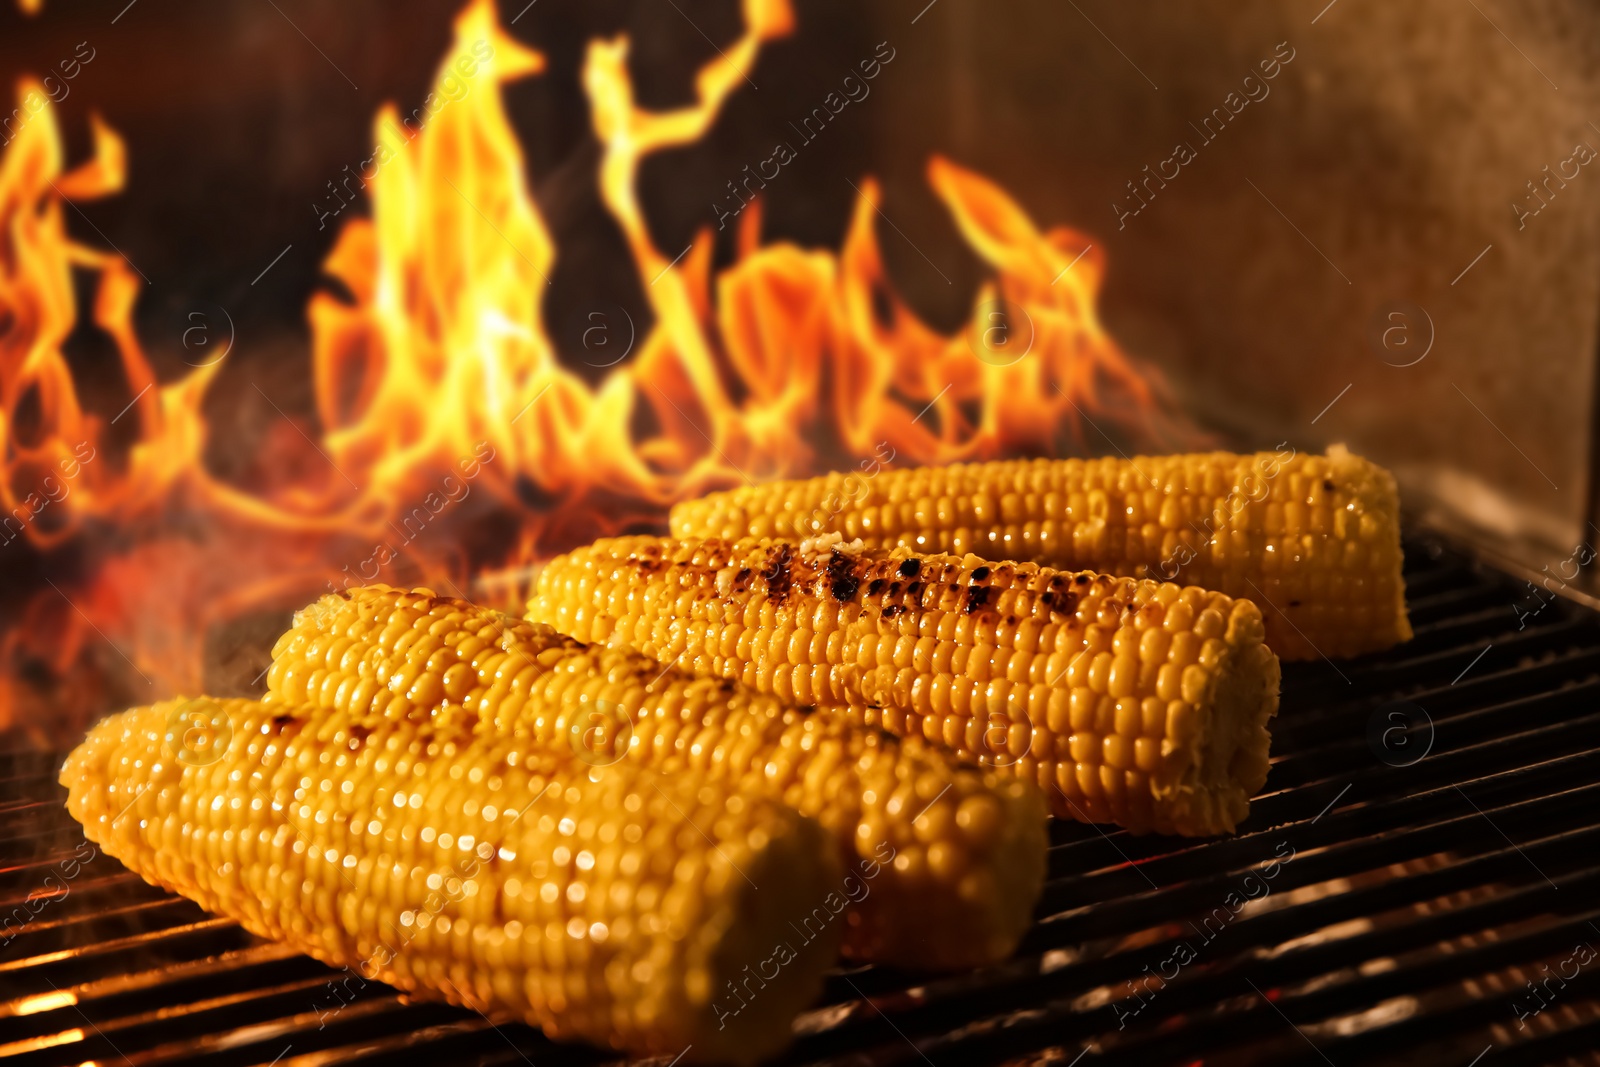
(1217, 520)
(609, 704)
(1126, 651)
(423, 911)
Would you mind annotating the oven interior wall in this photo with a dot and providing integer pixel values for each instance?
(1367, 177)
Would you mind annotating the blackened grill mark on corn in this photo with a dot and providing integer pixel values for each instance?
(776, 573)
(843, 581)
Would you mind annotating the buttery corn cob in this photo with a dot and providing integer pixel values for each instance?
(944, 862)
(1127, 700)
(1314, 540)
(611, 905)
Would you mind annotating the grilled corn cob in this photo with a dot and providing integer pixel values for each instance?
(615, 906)
(1127, 700)
(1314, 540)
(944, 862)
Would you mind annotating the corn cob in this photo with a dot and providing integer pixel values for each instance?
(944, 862)
(1314, 540)
(611, 905)
(1127, 700)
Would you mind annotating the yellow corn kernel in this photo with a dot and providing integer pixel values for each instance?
(1097, 681)
(609, 704)
(1315, 540)
(615, 905)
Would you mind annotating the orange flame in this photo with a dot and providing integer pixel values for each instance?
(434, 369)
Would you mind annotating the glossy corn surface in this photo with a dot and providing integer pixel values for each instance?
(1313, 540)
(610, 905)
(944, 862)
(1128, 701)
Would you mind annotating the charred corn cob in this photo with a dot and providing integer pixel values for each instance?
(615, 906)
(1314, 540)
(943, 862)
(1127, 700)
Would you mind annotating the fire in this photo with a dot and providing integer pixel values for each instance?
(436, 379)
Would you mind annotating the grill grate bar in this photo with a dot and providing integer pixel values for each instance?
(1110, 957)
(1360, 831)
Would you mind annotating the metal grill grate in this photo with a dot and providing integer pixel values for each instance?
(1384, 908)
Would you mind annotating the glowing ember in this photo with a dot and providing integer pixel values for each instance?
(436, 380)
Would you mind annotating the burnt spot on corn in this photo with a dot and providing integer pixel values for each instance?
(910, 568)
(891, 610)
(779, 573)
(280, 721)
(843, 581)
(875, 587)
(977, 598)
(1082, 579)
(981, 574)
(1060, 602)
